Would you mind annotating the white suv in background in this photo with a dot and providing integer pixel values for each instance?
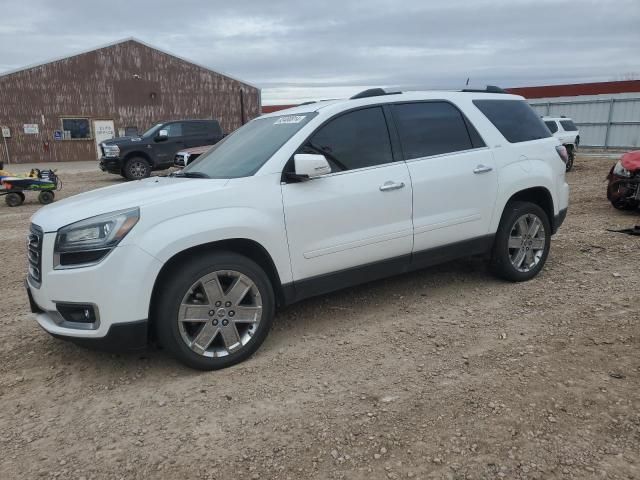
(567, 132)
(295, 204)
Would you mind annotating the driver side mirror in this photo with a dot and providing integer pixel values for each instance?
(162, 135)
(309, 166)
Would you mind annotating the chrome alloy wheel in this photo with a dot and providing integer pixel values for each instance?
(527, 242)
(220, 313)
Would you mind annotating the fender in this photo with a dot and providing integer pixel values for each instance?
(194, 229)
(515, 178)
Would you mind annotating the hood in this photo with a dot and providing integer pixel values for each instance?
(631, 160)
(142, 193)
(195, 150)
(122, 140)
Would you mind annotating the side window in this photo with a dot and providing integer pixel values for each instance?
(174, 129)
(195, 129)
(432, 128)
(568, 125)
(515, 119)
(354, 140)
(551, 125)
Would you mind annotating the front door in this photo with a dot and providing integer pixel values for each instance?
(166, 150)
(103, 130)
(358, 214)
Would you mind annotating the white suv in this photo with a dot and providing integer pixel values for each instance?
(295, 204)
(567, 132)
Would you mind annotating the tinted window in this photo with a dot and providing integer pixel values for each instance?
(201, 129)
(568, 125)
(242, 153)
(353, 140)
(515, 119)
(431, 128)
(174, 129)
(552, 126)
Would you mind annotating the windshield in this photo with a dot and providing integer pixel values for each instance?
(152, 131)
(242, 153)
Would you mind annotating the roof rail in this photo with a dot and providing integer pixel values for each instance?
(373, 92)
(307, 103)
(488, 89)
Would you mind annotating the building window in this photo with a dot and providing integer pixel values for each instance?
(76, 129)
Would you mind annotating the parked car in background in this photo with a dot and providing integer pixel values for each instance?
(567, 132)
(295, 204)
(184, 157)
(623, 190)
(136, 157)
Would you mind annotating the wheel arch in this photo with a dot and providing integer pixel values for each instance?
(540, 196)
(137, 153)
(242, 246)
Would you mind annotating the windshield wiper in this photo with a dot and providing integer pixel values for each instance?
(190, 175)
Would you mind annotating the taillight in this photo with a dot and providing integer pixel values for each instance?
(562, 152)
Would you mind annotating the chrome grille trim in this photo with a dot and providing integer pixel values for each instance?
(34, 254)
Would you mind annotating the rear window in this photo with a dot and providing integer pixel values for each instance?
(515, 119)
(552, 126)
(568, 125)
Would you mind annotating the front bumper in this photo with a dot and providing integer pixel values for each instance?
(119, 287)
(111, 164)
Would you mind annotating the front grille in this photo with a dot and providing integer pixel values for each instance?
(34, 254)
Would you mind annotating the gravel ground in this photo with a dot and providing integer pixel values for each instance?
(444, 373)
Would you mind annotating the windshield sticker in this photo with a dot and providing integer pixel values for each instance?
(290, 119)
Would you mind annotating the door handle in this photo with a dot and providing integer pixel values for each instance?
(482, 169)
(388, 186)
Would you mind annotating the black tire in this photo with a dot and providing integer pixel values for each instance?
(46, 197)
(14, 199)
(136, 168)
(178, 283)
(501, 263)
(571, 154)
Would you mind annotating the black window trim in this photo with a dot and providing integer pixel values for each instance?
(466, 121)
(396, 147)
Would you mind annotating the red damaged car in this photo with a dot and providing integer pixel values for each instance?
(623, 190)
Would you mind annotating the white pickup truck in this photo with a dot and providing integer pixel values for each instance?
(567, 132)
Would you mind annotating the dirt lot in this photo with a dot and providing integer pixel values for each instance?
(445, 373)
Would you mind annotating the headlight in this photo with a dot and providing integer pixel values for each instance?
(111, 150)
(620, 170)
(88, 241)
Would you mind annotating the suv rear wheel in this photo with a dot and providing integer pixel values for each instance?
(215, 311)
(136, 168)
(522, 242)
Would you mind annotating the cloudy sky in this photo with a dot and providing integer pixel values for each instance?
(299, 51)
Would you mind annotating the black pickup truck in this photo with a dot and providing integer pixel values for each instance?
(136, 157)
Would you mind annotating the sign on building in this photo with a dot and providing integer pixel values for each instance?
(31, 128)
(57, 134)
(6, 133)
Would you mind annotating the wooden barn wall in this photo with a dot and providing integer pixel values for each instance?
(130, 83)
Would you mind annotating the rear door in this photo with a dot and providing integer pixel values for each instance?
(452, 172)
(360, 213)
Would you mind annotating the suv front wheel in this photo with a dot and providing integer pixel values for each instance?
(215, 311)
(522, 242)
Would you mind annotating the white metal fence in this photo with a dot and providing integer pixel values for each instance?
(604, 123)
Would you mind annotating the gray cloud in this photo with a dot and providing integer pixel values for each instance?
(298, 51)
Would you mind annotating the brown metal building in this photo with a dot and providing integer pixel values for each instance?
(59, 110)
